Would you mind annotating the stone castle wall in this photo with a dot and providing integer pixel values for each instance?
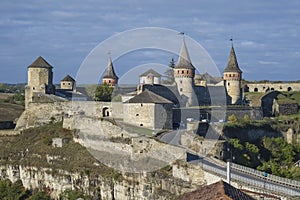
(37, 114)
(266, 87)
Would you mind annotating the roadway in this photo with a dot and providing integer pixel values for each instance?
(260, 183)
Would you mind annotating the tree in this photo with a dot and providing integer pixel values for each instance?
(246, 118)
(103, 92)
(232, 118)
(40, 196)
(169, 74)
(73, 195)
(252, 148)
(235, 142)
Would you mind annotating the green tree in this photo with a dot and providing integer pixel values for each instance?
(235, 142)
(9, 190)
(103, 92)
(252, 148)
(39, 196)
(169, 74)
(232, 118)
(246, 118)
(73, 195)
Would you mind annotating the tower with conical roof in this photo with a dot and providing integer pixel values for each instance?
(184, 73)
(110, 76)
(40, 79)
(232, 77)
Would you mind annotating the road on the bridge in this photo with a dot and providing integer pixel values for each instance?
(174, 137)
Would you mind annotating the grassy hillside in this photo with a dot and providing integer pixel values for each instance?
(33, 146)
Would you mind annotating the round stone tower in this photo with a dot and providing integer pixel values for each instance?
(110, 76)
(184, 73)
(232, 77)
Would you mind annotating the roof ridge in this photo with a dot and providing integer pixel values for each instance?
(68, 78)
(155, 73)
(40, 62)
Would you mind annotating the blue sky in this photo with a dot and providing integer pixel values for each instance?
(266, 33)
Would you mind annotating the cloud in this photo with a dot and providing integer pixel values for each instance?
(59, 13)
(268, 62)
(248, 43)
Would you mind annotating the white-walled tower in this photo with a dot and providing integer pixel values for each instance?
(184, 73)
(232, 77)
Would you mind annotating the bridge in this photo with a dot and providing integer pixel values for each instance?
(267, 87)
(252, 179)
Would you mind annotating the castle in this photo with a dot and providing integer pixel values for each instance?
(152, 104)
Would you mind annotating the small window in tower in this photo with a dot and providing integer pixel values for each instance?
(233, 75)
(180, 89)
(141, 124)
(229, 75)
(177, 71)
(64, 83)
(69, 83)
(182, 71)
(141, 105)
(33, 88)
(137, 114)
(187, 72)
(109, 81)
(228, 84)
(180, 81)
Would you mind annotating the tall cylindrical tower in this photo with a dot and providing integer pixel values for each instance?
(232, 77)
(184, 73)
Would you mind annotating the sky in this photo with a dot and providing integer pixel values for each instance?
(266, 34)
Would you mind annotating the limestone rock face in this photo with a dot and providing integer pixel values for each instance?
(142, 186)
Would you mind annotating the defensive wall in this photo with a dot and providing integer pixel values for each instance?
(266, 87)
(37, 114)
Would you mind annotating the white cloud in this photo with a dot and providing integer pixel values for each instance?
(268, 62)
(59, 13)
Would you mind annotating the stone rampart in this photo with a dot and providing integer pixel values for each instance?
(37, 114)
(266, 87)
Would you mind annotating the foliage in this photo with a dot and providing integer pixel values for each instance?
(12, 88)
(103, 92)
(169, 74)
(16, 99)
(272, 155)
(73, 195)
(236, 143)
(9, 190)
(232, 118)
(90, 90)
(39, 196)
(252, 148)
(246, 118)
